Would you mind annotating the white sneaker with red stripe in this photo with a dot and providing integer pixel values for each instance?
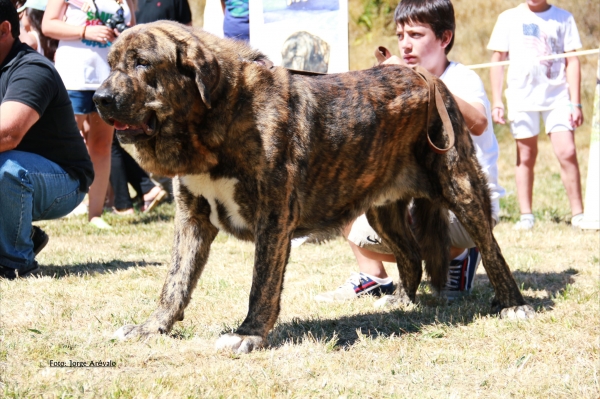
(358, 284)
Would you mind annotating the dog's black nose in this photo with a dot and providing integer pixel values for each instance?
(103, 98)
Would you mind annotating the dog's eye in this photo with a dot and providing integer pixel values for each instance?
(140, 62)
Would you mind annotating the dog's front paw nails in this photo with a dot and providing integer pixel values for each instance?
(522, 312)
(239, 343)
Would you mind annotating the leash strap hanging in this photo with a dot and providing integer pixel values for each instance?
(434, 100)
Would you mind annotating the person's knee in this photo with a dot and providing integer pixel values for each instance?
(526, 156)
(566, 154)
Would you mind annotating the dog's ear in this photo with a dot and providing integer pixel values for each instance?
(205, 66)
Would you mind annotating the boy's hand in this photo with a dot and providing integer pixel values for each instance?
(576, 117)
(498, 114)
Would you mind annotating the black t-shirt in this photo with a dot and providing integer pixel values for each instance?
(154, 10)
(29, 78)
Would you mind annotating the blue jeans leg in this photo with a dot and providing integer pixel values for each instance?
(31, 188)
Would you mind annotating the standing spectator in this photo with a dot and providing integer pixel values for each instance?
(123, 170)
(548, 88)
(213, 17)
(45, 169)
(32, 23)
(81, 61)
(172, 10)
(236, 22)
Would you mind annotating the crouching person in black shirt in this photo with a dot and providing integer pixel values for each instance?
(45, 169)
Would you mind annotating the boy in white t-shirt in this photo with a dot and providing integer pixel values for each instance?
(548, 88)
(425, 30)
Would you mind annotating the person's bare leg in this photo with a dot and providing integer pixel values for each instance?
(98, 137)
(563, 144)
(527, 150)
(454, 252)
(368, 261)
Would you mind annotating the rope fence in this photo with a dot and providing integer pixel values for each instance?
(546, 57)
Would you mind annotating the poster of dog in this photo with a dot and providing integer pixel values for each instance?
(307, 35)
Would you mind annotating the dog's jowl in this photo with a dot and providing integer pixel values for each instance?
(268, 156)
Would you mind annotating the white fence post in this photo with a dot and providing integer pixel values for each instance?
(591, 220)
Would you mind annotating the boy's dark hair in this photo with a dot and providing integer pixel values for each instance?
(8, 12)
(438, 14)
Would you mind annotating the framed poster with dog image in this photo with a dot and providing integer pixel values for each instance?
(306, 35)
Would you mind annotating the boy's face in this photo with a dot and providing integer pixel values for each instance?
(419, 46)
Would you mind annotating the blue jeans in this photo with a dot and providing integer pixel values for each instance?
(31, 188)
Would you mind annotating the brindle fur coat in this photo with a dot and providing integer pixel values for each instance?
(268, 156)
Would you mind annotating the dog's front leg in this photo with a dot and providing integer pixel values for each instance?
(273, 234)
(193, 236)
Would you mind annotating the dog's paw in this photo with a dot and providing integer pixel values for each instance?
(131, 331)
(239, 343)
(392, 301)
(522, 312)
(127, 332)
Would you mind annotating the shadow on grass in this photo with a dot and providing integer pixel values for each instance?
(91, 268)
(432, 315)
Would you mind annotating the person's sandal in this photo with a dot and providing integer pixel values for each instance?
(151, 204)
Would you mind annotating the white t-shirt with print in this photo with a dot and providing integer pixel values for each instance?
(82, 64)
(535, 85)
(467, 85)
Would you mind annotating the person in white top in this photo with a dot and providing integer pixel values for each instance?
(31, 14)
(547, 88)
(81, 60)
(425, 30)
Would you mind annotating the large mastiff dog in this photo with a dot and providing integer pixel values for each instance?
(267, 156)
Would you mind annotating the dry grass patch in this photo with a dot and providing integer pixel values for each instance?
(94, 282)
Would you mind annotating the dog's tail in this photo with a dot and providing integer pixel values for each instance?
(431, 228)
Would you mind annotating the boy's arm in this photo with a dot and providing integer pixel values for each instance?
(573, 73)
(473, 113)
(497, 80)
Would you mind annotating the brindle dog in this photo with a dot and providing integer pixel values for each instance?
(268, 156)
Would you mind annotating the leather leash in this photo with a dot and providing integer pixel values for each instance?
(435, 99)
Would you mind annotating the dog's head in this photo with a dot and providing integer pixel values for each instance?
(160, 73)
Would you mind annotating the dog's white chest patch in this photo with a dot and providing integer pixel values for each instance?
(219, 190)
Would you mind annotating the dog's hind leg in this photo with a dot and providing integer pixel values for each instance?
(391, 223)
(469, 198)
(431, 228)
(194, 233)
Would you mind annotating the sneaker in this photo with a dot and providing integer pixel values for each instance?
(39, 238)
(461, 274)
(99, 223)
(526, 223)
(577, 220)
(358, 284)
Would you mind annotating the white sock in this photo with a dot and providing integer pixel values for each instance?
(462, 256)
(382, 281)
(527, 216)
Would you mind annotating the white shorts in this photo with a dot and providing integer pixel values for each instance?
(363, 235)
(524, 125)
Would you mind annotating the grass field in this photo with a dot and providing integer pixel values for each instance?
(93, 282)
